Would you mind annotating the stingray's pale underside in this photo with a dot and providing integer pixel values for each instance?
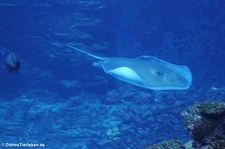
(145, 71)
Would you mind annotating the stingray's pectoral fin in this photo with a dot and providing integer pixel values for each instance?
(128, 75)
(125, 74)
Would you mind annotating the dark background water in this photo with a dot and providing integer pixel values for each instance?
(57, 95)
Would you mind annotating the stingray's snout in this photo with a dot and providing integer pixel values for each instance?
(12, 63)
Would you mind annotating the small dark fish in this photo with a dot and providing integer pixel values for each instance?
(12, 63)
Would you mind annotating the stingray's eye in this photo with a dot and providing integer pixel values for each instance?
(160, 74)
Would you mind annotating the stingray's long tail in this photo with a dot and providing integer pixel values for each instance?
(82, 51)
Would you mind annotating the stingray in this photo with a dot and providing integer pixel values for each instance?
(144, 71)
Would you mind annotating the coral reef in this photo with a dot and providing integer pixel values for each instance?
(212, 109)
(206, 124)
(114, 133)
(170, 144)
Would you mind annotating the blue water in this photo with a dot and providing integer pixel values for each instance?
(60, 100)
